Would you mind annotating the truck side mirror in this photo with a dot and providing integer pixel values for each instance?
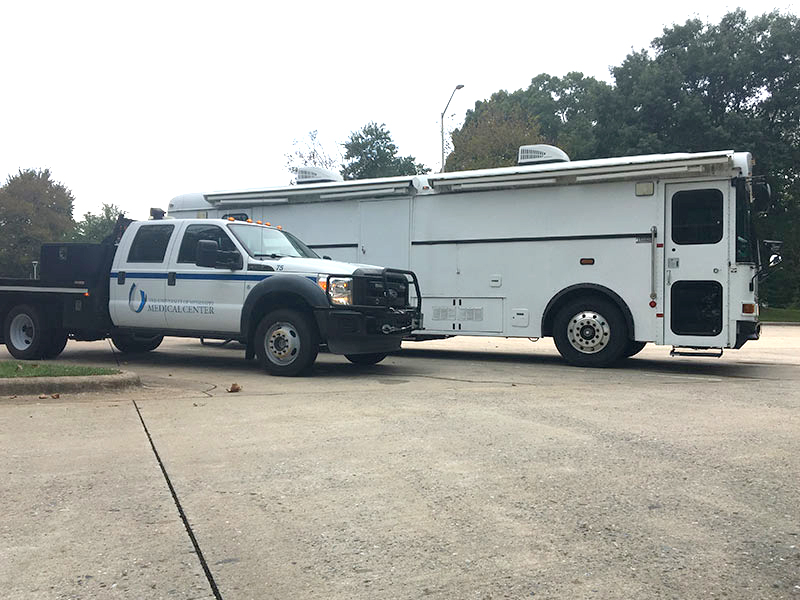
(206, 255)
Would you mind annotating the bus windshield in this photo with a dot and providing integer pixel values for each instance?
(264, 242)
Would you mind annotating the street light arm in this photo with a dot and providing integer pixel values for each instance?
(455, 89)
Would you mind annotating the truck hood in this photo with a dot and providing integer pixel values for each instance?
(315, 265)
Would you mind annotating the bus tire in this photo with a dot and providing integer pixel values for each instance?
(132, 343)
(25, 332)
(286, 342)
(633, 348)
(365, 359)
(590, 332)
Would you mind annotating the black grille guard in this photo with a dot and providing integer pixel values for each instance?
(409, 276)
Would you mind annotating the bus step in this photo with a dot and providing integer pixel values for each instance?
(678, 351)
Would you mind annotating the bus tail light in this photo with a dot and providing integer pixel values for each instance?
(749, 309)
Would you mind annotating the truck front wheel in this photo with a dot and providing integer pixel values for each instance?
(365, 359)
(131, 343)
(590, 332)
(286, 342)
(25, 333)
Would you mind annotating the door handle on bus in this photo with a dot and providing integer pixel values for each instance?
(171, 277)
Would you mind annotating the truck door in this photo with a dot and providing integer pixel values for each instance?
(385, 232)
(696, 265)
(136, 294)
(203, 298)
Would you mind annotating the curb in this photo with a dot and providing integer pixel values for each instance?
(790, 323)
(62, 385)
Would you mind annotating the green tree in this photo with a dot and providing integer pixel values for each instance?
(370, 152)
(34, 209)
(94, 228)
(491, 135)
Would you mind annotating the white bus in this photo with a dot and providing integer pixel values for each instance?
(602, 255)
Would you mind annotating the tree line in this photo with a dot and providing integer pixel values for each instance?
(35, 209)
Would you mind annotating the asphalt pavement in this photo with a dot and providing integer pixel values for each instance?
(464, 468)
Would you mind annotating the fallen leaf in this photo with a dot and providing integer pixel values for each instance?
(235, 387)
(19, 367)
(12, 397)
(55, 396)
(42, 396)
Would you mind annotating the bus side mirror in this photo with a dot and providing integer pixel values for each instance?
(206, 255)
(762, 196)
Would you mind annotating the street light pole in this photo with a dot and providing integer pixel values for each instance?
(458, 87)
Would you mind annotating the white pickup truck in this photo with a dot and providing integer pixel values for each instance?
(211, 279)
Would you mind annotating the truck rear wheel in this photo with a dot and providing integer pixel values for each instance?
(286, 342)
(590, 332)
(56, 343)
(131, 343)
(365, 359)
(25, 332)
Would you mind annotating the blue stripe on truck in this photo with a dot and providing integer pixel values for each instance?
(204, 276)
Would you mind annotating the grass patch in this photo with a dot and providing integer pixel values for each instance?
(10, 369)
(790, 315)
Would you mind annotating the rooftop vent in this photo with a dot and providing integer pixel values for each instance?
(316, 175)
(540, 154)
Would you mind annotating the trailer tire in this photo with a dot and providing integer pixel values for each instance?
(286, 342)
(56, 344)
(26, 335)
(365, 359)
(633, 348)
(590, 332)
(132, 343)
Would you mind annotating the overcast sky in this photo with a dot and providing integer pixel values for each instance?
(134, 103)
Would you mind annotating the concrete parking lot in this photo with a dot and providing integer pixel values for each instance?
(465, 468)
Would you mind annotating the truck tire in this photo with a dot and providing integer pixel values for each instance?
(590, 332)
(56, 344)
(25, 332)
(286, 342)
(365, 359)
(132, 343)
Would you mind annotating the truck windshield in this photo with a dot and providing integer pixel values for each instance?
(263, 242)
(745, 234)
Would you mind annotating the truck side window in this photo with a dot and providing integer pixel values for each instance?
(195, 233)
(697, 217)
(150, 244)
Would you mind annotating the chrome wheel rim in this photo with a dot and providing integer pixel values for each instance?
(588, 332)
(282, 343)
(22, 331)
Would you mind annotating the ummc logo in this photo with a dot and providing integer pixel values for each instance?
(136, 301)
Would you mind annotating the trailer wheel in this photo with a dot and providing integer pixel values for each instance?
(590, 332)
(25, 333)
(286, 342)
(56, 344)
(633, 348)
(365, 359)
(131, 343)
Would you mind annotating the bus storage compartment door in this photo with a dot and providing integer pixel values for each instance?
(463, 314)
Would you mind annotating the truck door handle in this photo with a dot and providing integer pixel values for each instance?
(121, 278)
(171, 277)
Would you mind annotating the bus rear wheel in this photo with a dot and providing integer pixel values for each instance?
(590, 332)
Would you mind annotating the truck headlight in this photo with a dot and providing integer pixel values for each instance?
(339, 289)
